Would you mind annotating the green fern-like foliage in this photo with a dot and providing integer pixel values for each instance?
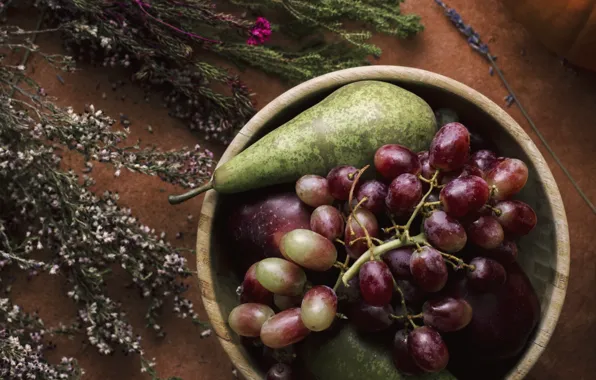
(173, 44)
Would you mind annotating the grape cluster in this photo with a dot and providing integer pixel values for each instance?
(459, 200)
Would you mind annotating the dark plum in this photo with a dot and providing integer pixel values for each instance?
(505, 253)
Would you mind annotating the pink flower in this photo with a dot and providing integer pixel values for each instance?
(260, 32)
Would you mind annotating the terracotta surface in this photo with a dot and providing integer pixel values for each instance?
(560, 101)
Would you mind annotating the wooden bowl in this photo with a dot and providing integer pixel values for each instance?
(544, 253)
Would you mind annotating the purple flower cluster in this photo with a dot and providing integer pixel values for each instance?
(260, 32)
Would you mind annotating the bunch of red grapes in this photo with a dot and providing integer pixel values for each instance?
(455, 198)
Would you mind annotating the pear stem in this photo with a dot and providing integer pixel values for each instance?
(177, 199)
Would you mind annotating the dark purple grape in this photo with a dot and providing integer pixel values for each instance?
(516, 217)
(369, 318)
(252, 290)
(376, 283)
(487, 275)
(369, 221)
(350, 293)
(447, 314)
(505, 253)
(464, 195)
(428, 268)
(404, 194)
(433, 196)
(450, 148)
(414, 295)
(426, 170)
(375, 193)
(392, 160)
(444, 232)
(428, 350)
(327, 221)
(283, 329)
(248, 318)
(398, 261)
(484, 160)
(508, 177)
(313, 190)
(279, 371)
(486, 232)
(401, 355)
(319, 308)
(465, 171)
(340, 181)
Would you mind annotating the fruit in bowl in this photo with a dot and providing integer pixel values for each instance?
(427, 265)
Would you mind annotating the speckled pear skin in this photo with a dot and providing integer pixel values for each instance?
(345, 128)
(351, 356)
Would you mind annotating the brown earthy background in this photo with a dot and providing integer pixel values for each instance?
(562, 102)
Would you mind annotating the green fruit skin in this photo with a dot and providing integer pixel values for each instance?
(345, 128)
(308, 249)
(352, 356)
(280, 276)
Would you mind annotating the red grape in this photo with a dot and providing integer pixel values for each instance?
(428, 350)
(340, 181)
(350, 293)
(283, 329)
(286, 302)
(404, 194)
(327, 221)
(413, 295)
(486, 232)
(488, 275)
(313, 190)
(280, 276)
(447, 314)
(465, 171)
(252, 290)
(308, 249)
(444, 232)
(426, 170)
(369, 318)
(398, 261)
(508, 177)
(319, 308)
(369, 221)
(375, 193)
(428, 268)
(401, 355)
(464, 195)
(376, 283)
(279, 371)
(248, 318)
(392, 160)
(516, 217)
(484, 160)
(450, 148)
(505, 253)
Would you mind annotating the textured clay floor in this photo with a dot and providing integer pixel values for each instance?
(561, 102)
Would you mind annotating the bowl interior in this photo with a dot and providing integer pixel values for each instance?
(539, 252)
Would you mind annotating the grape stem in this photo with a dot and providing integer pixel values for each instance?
(417, 316)
(403, 303)
(493, 209)
(341, 272)
(431, 204)
(460, 262)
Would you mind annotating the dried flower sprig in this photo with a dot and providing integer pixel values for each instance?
(51, 221)
(169, 45)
